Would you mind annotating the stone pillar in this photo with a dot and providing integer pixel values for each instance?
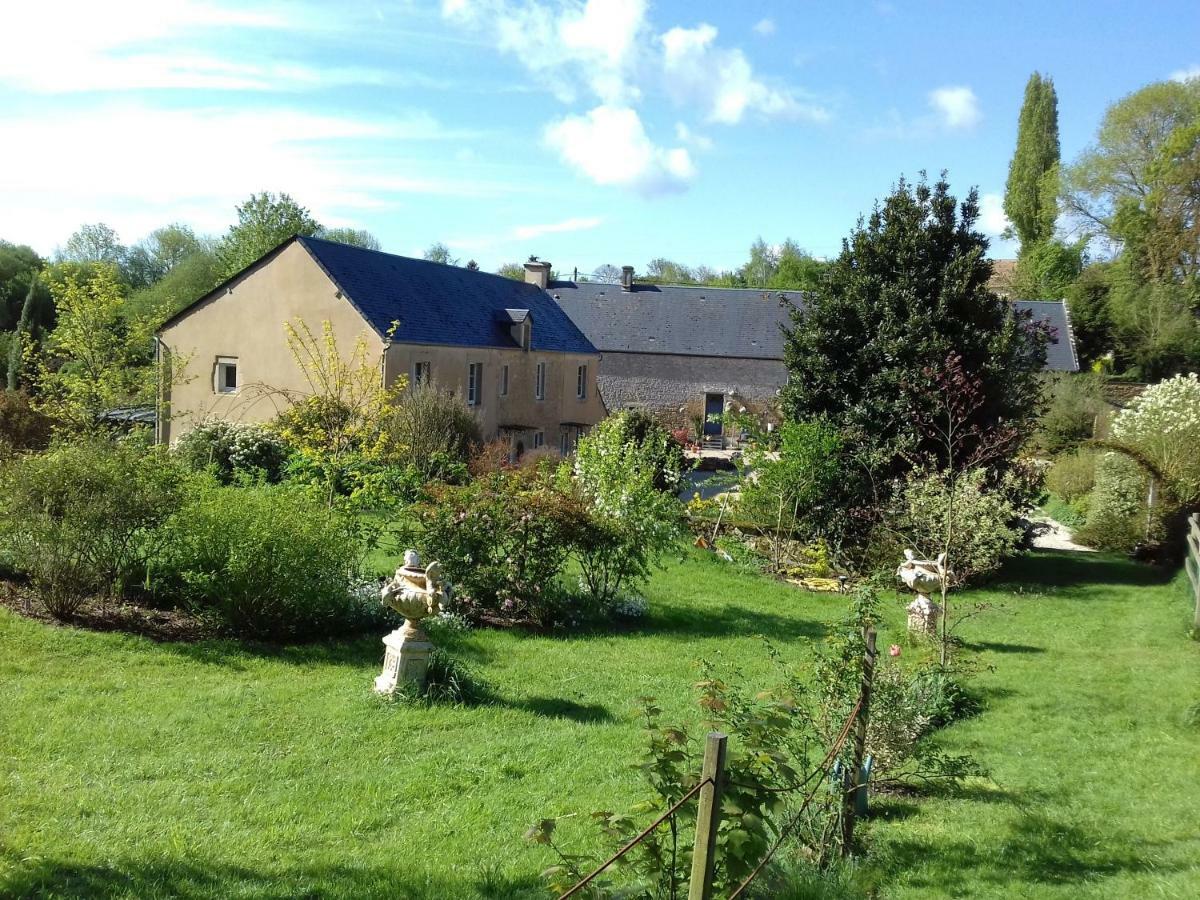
(923, 616)
(405, 658)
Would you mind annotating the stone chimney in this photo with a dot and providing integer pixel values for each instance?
(627, 278)
(537, 272)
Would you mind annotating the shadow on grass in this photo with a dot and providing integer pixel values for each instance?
(729, 620)
(1038, 849)
(996, 647)
(191, 880)
(1050, 568)
(559, 708)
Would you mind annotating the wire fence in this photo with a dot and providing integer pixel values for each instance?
(711, 783)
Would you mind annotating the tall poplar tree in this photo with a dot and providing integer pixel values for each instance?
(1031, 193)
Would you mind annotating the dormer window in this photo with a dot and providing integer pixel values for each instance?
(225, 376)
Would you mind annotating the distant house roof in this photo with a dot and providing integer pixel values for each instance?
(433, 303)
(1003, 271)
(691, 321)
(688, 320)
(440, 304)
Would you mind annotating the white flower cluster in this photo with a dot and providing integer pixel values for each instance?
(1163, 425)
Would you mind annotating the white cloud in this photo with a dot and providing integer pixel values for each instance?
(196, 164)
(91, 47)
(1188, 73)
(566, 45)
(610, 146)
(957, 107)
(685, 135)
(722, 81)
(992, 220)
(765, 27)
(580, 223)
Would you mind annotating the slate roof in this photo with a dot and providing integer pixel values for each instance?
(726, 322)
(691, 321)
(441, 304)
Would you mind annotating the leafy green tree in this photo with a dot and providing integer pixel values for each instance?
(796, 269)
(762, 265)
(97, 243)
(1155, 332)
(1124, 166)
(1031, 193)
(439, 253)
(149, 260)
(356, 237)
(1046, 270)
(515, 271)
(19, 266)
(97, 357)
(908, 291)
(1091, 318)
(186, 282)
(22, 337)
(665, 271)
(264, 222)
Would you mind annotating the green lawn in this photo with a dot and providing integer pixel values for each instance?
(129, 768)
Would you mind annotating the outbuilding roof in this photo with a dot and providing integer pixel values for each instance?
(689, 320)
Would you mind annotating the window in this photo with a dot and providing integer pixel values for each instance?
(564, 442)
(539, 382)
(504, 381)
(421, 372)
(581, 383)
(225, 379)
(539, 438)
(474, 383)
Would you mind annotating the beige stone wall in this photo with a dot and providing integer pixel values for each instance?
(246, 322)
(449, 368)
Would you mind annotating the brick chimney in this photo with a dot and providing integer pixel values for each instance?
(627, 278)
(537, 272)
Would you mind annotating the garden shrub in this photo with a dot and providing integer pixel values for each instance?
(1116, 518)
(22, 427)
(502, 540)
(1073, 474)
(627, 473)
(1074, 402)
(233, 449)
(973, 522)
(1163, 426)
(435, 430)
(84, 518)
(268, 561)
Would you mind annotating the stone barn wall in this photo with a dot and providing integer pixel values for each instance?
(664, 383)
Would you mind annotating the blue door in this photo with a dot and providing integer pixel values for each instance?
(714, 408)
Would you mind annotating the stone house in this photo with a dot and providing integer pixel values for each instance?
(506, 347)
(678, 350)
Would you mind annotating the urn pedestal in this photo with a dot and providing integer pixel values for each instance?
(405, 658)
(923, 616)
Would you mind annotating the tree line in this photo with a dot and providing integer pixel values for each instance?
(1116, 232)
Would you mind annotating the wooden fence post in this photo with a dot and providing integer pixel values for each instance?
(850, 781)
(708, 817)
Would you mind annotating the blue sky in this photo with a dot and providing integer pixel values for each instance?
(607, 131)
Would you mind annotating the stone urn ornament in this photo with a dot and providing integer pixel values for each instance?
(923, 576)
(416, 593)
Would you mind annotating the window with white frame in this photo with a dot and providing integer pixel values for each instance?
(581, 383)
(421, 372)
(474, 383)
(225, 377)
(504, 381)
(539, 438)
(539, 382)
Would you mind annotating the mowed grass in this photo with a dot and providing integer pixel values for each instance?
(129, 768)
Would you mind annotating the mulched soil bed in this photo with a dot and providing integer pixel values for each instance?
(101, 615)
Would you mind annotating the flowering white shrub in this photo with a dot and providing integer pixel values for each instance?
(1163, 424)
(234, 448)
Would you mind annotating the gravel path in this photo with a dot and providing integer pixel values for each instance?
(1054, 535)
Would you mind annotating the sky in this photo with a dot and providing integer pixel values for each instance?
(582, 131)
